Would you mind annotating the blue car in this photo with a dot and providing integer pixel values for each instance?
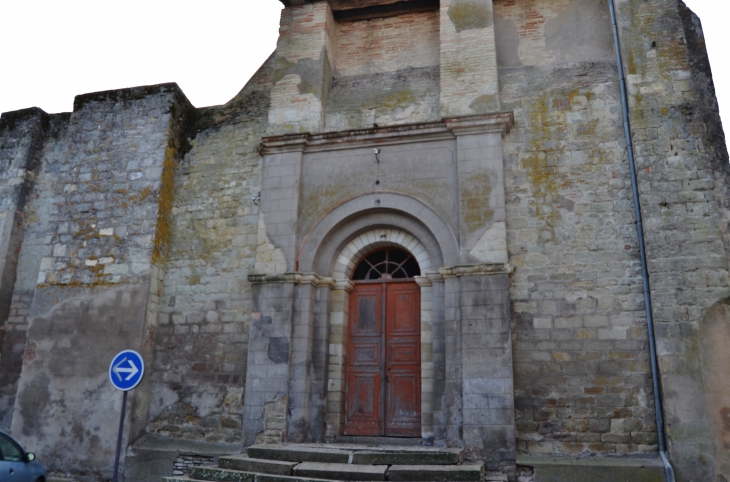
(17, 465)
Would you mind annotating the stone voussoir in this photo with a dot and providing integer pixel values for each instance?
(437, 473)
(332, 471)
(298, 454)
(259, 466)
(216, 473)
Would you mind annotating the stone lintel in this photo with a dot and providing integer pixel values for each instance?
(382, 136)
(476, 270)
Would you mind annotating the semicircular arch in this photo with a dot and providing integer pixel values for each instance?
(355, 250)
(335, 230)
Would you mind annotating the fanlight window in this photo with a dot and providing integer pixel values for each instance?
(388, 263)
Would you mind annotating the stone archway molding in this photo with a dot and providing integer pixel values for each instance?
(374, 239)
(320, 250)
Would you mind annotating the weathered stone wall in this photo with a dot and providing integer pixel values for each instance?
(21, 150)
(199, 370)
(140, 226)
(582, 379)
(94, 244)
(582, 372)
(680, 166)
(714, 330)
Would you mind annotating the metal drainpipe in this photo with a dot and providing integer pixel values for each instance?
(642, 250)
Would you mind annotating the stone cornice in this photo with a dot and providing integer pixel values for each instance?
(381, 136)
(476, 270)
(295, 278)
(345, 284)
(480, 124)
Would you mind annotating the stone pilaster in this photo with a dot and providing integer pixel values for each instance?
(302, 68)
(480, 171)
(479, 360)
(469, 77)
(287, 339)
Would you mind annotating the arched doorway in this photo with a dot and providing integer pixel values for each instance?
(383, 384)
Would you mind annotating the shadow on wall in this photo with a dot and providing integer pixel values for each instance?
(715, 356)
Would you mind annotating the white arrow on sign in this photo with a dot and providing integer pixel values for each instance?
(132, 370)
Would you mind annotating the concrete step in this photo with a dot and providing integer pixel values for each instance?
(437, 473)
(344, 471)
(299, 453)
(178, 478)
(259, 466)
(216, 473)
(431, 457)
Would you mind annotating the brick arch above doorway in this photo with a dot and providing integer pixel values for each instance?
(379, 238)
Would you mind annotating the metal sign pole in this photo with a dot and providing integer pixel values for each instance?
(119, 437)
(125, 372)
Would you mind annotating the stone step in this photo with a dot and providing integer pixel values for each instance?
(284, 478)
(216, 473)
(408, 458)
(260, 466)
(362, 440)
(256, 478)
(343, 471)
(298, 453)
(437, 473)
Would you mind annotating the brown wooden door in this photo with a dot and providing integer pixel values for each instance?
(383, 393)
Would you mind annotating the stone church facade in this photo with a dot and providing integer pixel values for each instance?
(416, 220)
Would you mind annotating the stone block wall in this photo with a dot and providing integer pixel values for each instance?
(94, 243)
(582, 375)
(21, 150)
(198, 374)
(141, 224)
(681, 178)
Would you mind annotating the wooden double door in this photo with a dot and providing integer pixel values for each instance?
(383, 391)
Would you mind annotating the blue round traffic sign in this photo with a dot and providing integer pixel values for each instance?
(126, 370)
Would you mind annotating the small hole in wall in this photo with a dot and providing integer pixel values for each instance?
(653, 45)
(377, 182)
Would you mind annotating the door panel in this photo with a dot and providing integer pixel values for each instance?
(403, 361)
(363, 405)
(383, 392)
